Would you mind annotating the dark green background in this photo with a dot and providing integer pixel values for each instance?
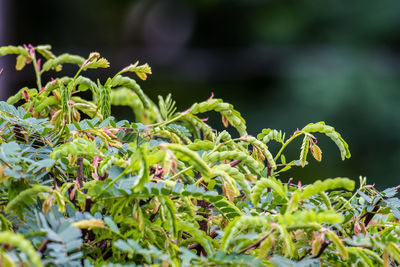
(281, 63)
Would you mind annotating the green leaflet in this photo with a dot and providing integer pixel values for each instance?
(132, 247)
(326, 200)
(84, 83)
(237, 176)
(253, 165)
(198, 125)
(22, 244)
(169, 211)
(361, 255)
(201, 145)
(264, 149)
(264, 183)
(227, 110)
(293, 203)
(327, 184)
(343, 146)
(55, 63)
(17, 97)
(104, 100)
(191, 157)
(228, 184)
(164, 133)
(86, 107)
(338, 243)
(5, 225)
(267, 135)
(106, 164)
(394, 251)
(332, 134)
(288, 247)
(182, 132)
(223, 137)
(45, 51)
(26, 197)
(144, 175)
(55, 84)
(6, 260)
(21, 62)
(221, 204)
(304, 150)
(167, 107)
(47, 102)
(239, 224)
(65, 92)
(310, 216)
(19, 50)
(78, 147)
(131, 84)
(95, 61)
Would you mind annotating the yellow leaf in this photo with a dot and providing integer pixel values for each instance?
(316, 244)
(316, 152)
(141, 75)
(21, 62)
(339, 244)
(85, 224)
(225, 121)
(265, 247)
(228, 190)
(6, 260)
(141, 71)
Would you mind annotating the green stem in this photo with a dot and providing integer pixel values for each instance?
(227, 142)
(168, 122)
(112, 182)
(180, 173)
(326, 200)
(347, 202)
(199, 181)
(287, 143)
(79, 71)
(37, 72)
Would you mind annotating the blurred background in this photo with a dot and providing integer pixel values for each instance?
(282, 64)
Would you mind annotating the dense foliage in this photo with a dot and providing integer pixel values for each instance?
(79, 188)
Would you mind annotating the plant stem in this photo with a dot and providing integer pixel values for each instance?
(255, 244)
(37, 72)
(79, 174)
(181, 172)
(168, 122)
(111, 183)
(347, 202)
(227, 142)
(287, 143)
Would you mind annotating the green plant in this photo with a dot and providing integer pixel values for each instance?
(167, 190)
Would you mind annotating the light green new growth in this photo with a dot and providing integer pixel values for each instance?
(327, 184)
(21, 243)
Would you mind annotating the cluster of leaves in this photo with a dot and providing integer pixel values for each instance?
(81, 189)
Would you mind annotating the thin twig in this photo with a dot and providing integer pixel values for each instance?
(324, 245)
(88, 203)
(255, 244)
(235, 162)
(79, 174)
(43, 245)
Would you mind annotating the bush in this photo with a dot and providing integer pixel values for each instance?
(80, 188)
